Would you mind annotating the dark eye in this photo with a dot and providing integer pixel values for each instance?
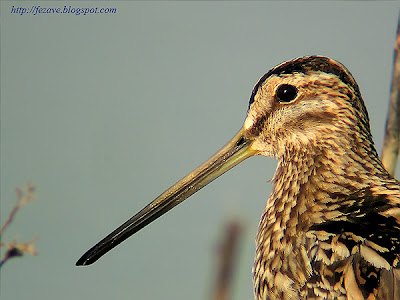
(285, 93)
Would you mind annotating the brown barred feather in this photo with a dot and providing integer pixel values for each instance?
(331, 226)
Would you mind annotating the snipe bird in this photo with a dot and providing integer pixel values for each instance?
(331, 225)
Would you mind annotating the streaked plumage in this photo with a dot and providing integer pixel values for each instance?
(331, 226)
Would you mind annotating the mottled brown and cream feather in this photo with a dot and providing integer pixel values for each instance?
(331, 226)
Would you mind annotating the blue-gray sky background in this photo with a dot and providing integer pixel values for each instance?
(103, 112)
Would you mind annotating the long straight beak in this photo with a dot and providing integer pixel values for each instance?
(235, 151)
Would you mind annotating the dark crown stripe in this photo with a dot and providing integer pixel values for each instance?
(306, 64)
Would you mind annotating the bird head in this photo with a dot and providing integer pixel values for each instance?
(307, 102)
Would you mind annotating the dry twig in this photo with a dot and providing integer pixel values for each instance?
(391, 141)
(16, 249)
(226, 260)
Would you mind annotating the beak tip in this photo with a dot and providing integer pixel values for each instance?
(85, 260)
(80, 262)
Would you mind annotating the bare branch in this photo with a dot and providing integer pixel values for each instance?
(391, 141)
(23, 196)
(226, 260)
(15, 249)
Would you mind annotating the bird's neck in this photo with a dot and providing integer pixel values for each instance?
(307, 180)
(307, 184)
